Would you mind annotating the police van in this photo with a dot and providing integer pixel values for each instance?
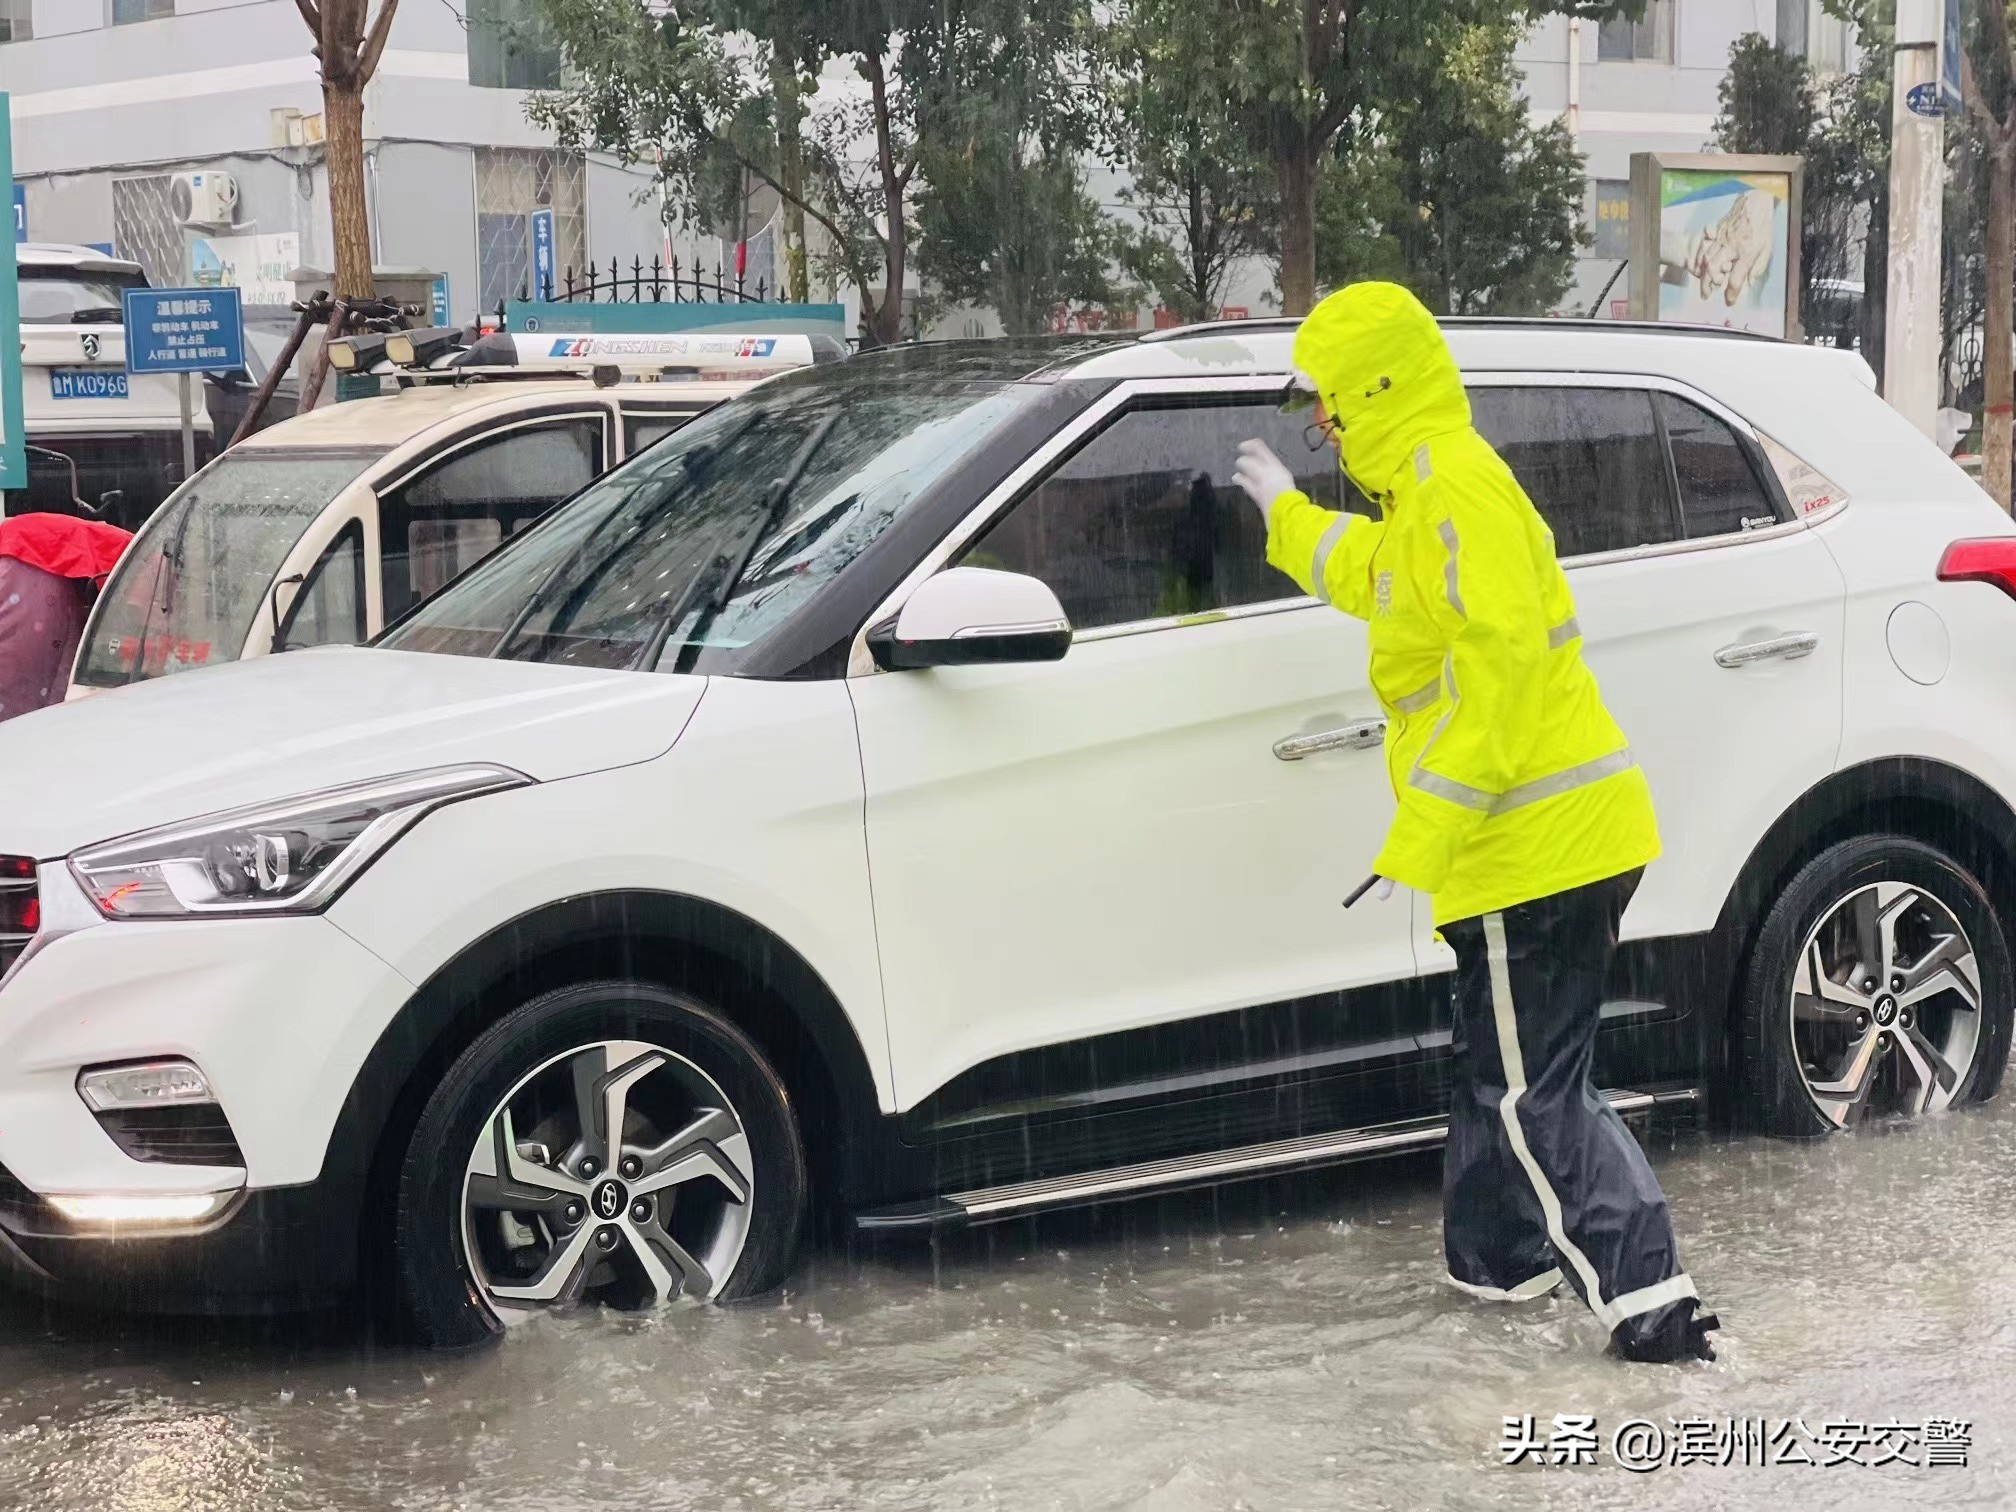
(101, 440)
(326, 527)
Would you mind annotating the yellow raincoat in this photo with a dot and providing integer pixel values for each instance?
(1513, 780)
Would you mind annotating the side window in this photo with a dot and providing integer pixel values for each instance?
(1143, 521)
(329, 609)
(1588, 458)
(642, 428)
(452, 515)
(1720, 493)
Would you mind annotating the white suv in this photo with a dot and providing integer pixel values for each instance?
(907, 788)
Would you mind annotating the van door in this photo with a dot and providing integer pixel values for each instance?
(453, 509)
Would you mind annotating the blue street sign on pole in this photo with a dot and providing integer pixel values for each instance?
(13, 458)
(184, 331)
(542, 254)
(439, 315)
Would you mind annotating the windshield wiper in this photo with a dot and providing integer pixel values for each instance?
(725, 572)
(161, 595)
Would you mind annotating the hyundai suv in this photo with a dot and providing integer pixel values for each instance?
(907, 788)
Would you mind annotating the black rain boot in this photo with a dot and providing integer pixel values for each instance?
(1679, 1336)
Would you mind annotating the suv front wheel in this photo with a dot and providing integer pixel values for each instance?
(1880, 984)
(611, 1143)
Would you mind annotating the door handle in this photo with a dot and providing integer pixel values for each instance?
(1778, 648)
(1362, 736)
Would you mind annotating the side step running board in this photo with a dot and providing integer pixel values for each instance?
(995, 1204)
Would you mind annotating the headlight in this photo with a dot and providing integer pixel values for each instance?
(290, 856)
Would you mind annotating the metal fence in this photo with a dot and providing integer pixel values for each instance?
(655, 282)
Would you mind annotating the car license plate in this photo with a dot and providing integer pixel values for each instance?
(88, 383)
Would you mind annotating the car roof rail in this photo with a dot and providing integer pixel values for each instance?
(1478, 322)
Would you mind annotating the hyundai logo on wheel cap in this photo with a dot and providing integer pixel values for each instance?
(609, 1199)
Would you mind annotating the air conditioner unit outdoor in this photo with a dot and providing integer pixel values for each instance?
(204, 199)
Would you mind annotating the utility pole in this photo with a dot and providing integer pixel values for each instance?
(1911, 335)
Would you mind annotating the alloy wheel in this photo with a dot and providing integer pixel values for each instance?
(617, 1173)
(1885, 1005)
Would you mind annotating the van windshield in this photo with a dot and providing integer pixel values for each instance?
(63, 297)
(185, 593)
(681, 559)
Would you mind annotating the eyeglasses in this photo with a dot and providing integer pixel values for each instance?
(1318, 434)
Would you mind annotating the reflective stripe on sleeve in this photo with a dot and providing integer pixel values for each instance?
(1455, 792)
(1423, 470)
(1421, 698)
(1321, 560)
(1448, 531)
(1563, 633)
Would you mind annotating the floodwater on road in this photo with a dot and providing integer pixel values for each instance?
(1280, 1345)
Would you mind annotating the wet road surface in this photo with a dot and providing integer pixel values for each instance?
(1285, 1345)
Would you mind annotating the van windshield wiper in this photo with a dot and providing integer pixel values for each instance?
(713, 588)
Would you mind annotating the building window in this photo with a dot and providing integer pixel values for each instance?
(127, 11)
(17, 20)
(511, 47)
(1647, 40)
(512, 186)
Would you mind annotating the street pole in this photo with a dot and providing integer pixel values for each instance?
(188, 427)
(1911, 331)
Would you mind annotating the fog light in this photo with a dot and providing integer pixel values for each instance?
(151, 1207)
(147, 1084)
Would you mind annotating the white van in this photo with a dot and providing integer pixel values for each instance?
(324, 528)
(121, 431)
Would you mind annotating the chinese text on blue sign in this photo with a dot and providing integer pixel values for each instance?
(183, 330)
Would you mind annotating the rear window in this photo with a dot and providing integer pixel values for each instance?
(66, 296)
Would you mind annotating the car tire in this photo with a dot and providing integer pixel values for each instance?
(1828, 1031)
(448, 1233)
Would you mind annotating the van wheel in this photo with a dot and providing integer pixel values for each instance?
(1879, 985)
(610, 1143)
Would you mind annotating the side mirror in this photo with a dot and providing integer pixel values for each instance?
(968, 616)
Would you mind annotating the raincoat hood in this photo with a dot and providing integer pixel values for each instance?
(60, 544)
(1385, 374)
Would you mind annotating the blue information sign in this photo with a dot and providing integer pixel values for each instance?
(542, 254)
(13, 456)
(183, 330)
(439, 315)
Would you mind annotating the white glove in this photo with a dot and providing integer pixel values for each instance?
(1382, 890)
(1264, 476)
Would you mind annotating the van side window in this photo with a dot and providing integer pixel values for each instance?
(453, 514)
(1719, 490)
(1143, 521)
(1589, 458)
(329, 608)
(642, 428)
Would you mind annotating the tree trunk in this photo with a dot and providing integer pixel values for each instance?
(1996, 378)
(888, 325)
(791, 168)
(1200, 251)
(1295, 168)
(349, 213)
(1876, 283)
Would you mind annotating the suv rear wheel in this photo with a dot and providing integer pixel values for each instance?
(612, 1143)
(1880, 984)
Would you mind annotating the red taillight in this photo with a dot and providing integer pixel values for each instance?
(31, 916)
(17, 866)
(1992, 560)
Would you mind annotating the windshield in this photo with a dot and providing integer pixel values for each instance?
(713, 538)
(186, 591)
(74, 298)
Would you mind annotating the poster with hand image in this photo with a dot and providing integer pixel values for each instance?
(1714, 241)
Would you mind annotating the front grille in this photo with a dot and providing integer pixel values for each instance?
(20, 908)
(181, 1134)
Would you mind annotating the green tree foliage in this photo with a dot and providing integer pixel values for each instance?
(1204, 197)
(1452, 191)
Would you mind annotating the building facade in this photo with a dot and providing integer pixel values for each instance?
(114, 100)
(1651, 86)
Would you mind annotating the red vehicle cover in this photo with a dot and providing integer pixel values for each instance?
(51, 567)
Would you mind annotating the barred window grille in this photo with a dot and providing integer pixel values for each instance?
(511, 184)
(145, 229)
